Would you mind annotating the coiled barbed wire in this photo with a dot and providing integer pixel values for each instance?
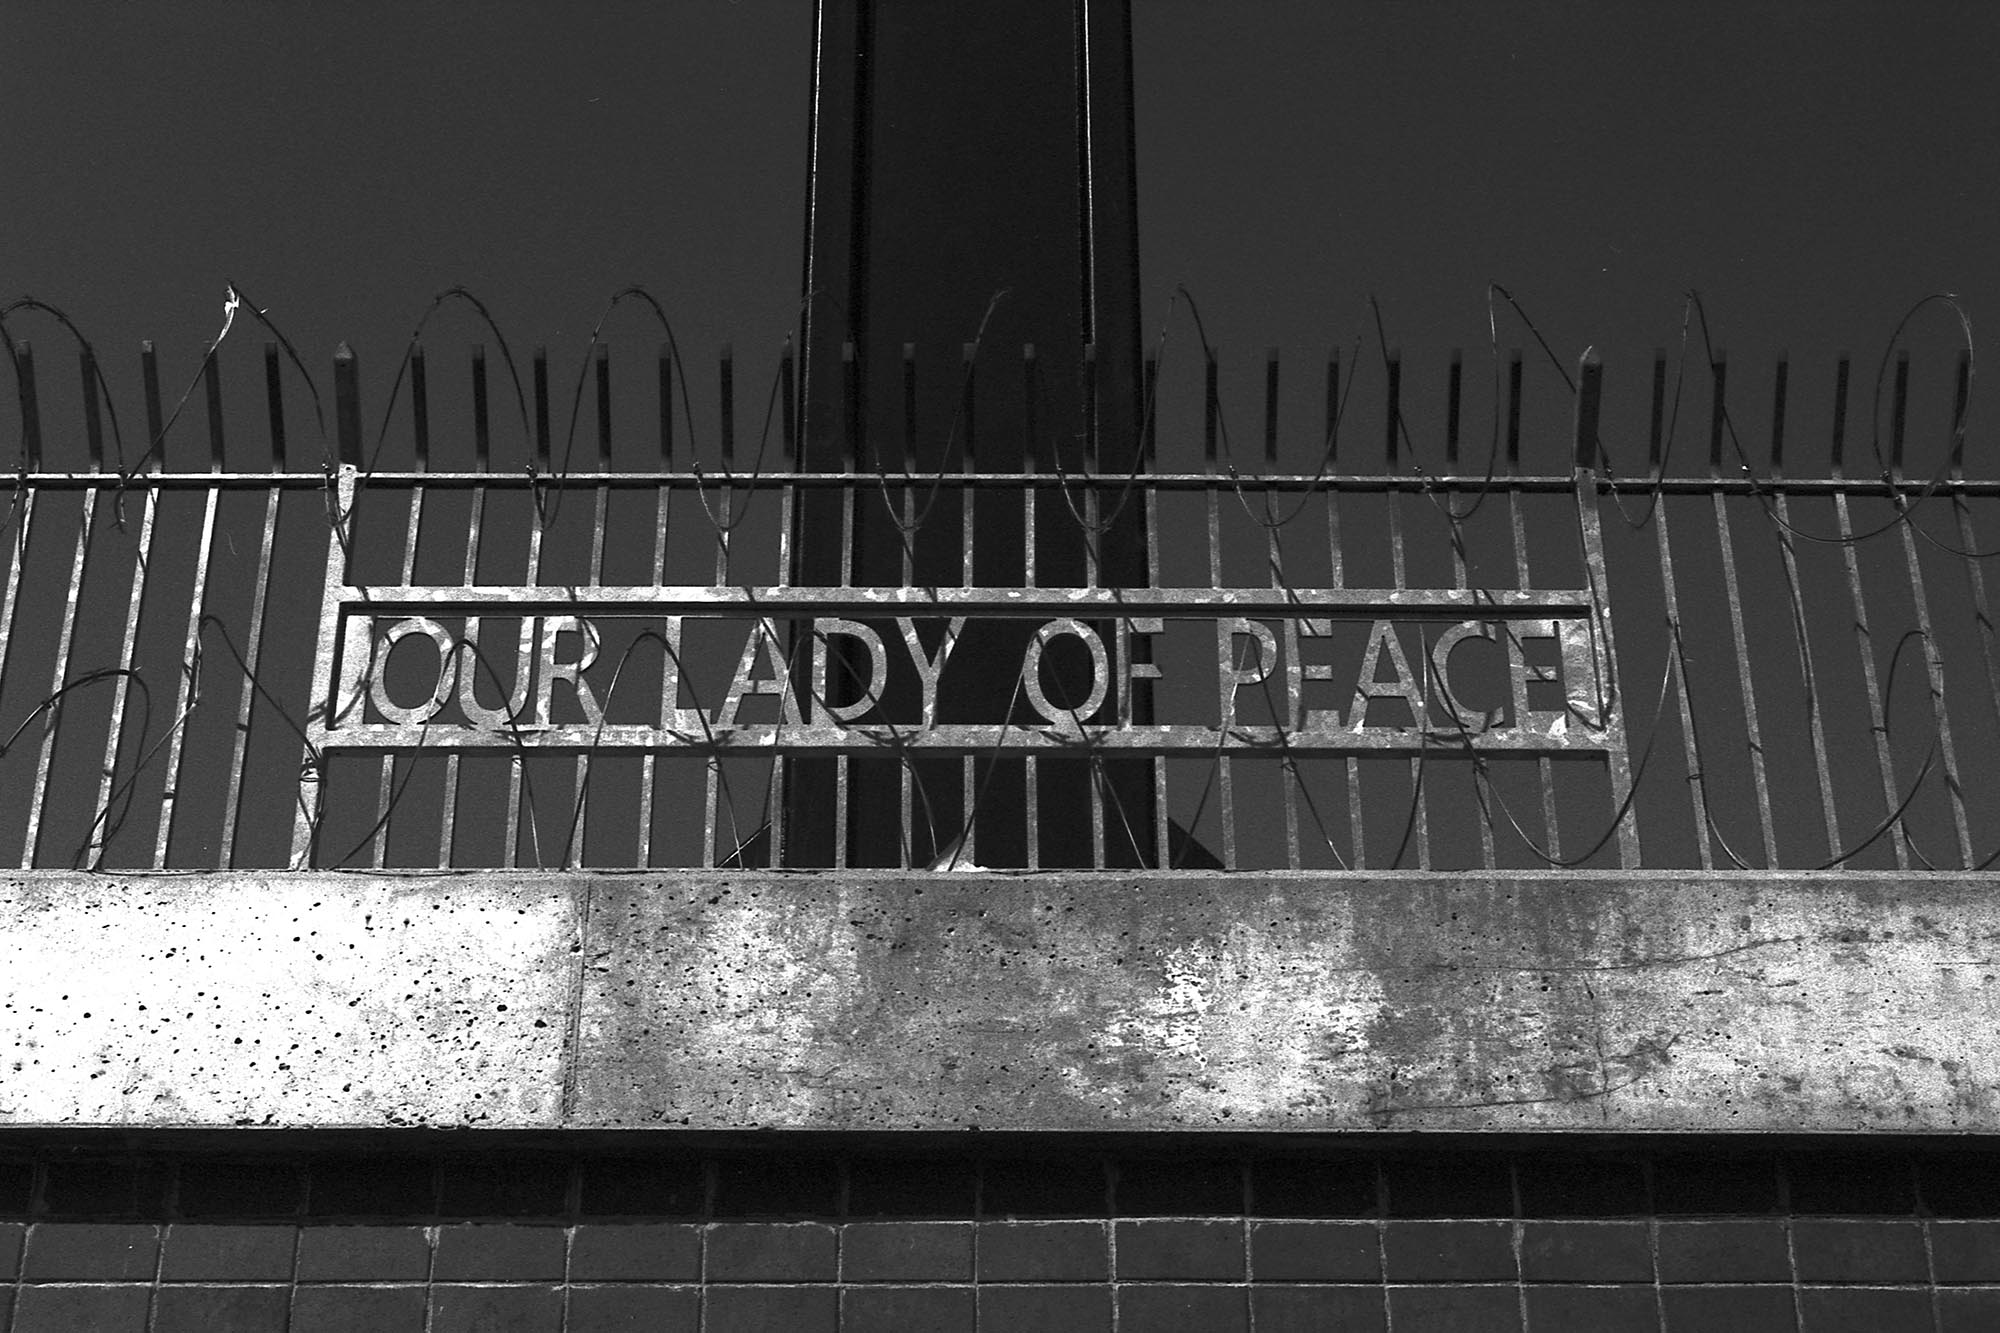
(108, 821)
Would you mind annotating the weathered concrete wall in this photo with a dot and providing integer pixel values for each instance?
(860, 1000)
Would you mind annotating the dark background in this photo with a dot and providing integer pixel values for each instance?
(1813, 170)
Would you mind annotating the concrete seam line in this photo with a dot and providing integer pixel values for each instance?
(582, 892)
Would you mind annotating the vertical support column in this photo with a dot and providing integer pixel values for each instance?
(961, 187)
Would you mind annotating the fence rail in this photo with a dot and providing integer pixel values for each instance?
(1805, 667)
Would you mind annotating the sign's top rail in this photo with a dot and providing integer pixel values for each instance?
(1456, 483)
(787, 599)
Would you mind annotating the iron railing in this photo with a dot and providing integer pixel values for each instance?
(1804, 672)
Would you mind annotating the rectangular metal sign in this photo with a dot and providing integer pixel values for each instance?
(798, 670)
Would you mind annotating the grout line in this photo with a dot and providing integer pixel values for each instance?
(433, 1236)
(1382, 1244)
(978, 1225)
(1930, 1251)
(160, 1229)
(1249, 1303)
(1647, 1169)
(302, 1211)
(1109, 1166)
(1517, 1232)
(1784, 1180)
(573, 1205)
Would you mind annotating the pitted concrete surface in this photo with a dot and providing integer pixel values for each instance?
(283, 999)
(879, 1000)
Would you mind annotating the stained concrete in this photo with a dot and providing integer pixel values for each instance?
(878, 1000)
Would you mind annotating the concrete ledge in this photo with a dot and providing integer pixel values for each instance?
(854, 1001)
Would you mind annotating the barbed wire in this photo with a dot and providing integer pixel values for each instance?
(109, 822)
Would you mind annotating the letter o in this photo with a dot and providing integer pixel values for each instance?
(1100, 671)
(378, 689)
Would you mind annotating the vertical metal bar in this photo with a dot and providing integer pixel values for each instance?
(100, 829)
(907, 814)
(1808, 662)
(1330, 440)
(274, 402)
(26, 491)
(510, 852)
(1604, 657)
(468, 666)
(726, 383)
(787, 494)
(1149, 445)
(727, 370)
(541, 385)
(93, 421)
(1752, 729)
(1589, 403)
(1654, 441)
(254, 640)
(31, 406)
(1981, 607)
(149, 372)
(1030, 461)
(1962, 389)
(788, 401)
(1460, 574)
(1899, 414)
(1514, 411)
(1453, 378)
(66, 637)
(1545, 770)
(669, 669)
(603, 369)
(347, 415)
(968, 766)
(1288, 770)
(259, 601)
(420, 424)
(1933, 659)
(420, 410)
(211, 383)
(1399, 572)
(347, 422)
(1663, 543)
(1030, 464)
(1094, 538)
(1781, 376)
(1337, 576)
(1864, 642)
(347, 405)
(850, 397)
(1393, 417)
(420, 407)
(574, 848)
(1273, 547)
(1271, 409)
(325, 709)
(726, 390)
(1211, 422)
(1697, 780)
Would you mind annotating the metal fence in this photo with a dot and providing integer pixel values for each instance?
(1779, 677)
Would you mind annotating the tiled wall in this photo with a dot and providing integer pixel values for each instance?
(531, 1241)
